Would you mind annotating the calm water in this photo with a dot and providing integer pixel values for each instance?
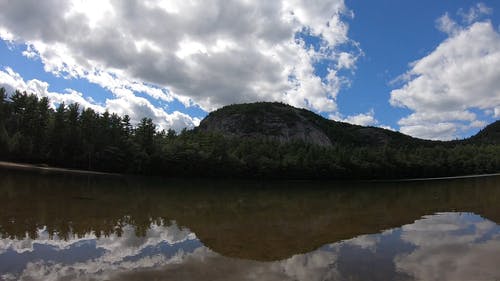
(80, 228)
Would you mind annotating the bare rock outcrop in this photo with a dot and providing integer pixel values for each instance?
(274, 121)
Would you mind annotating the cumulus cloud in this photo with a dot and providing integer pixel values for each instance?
(444, 246)
(447, 25)
(125, 102)
(369, 241)
(445, 87)
(451, 246)
(474, 13)
(164, 251)
(362, 119)
(12, 81)
(199, 264)
(115, 253)
(208, 53)
(117, 246)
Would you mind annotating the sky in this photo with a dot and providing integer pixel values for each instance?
(425, 68)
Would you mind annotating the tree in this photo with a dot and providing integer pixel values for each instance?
(41, 129)
(4, 137)
(73, 147)
(88, 123)
(58, 135)
(126, 126)
(144, 135)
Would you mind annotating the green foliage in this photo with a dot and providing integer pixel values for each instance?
(69, 136)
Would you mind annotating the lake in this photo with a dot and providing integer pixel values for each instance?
(70, 227)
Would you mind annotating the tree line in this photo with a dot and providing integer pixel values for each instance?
(75, 137)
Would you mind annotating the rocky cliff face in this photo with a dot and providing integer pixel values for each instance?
(265, 120)
(284, 123)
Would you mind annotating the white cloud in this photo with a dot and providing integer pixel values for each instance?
(451, 246)
(314, 266)
(475, 12)
(209, 53)
(447, 25)
(117, 246)
(123, 259)
(362, 119)
(369, 241)
(125, 103)
(120, 253)
(443, 88)
(11, 81)
(432, 131)
(443, 246)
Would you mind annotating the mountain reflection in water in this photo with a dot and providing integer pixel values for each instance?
(79, 228)
(445, 246)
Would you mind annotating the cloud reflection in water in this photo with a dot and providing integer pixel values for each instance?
(444, 246)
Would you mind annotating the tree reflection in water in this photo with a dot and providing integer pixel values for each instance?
(59, 228)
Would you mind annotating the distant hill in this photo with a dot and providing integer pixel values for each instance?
(266, 120)
(286, 123)
(490, 134)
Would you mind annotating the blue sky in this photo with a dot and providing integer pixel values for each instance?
(425, 68)
(393, 34)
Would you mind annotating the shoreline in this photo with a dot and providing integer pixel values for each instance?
(435, 178)
(6, 165)
(49, 169)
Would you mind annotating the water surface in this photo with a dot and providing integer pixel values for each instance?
(57, 227)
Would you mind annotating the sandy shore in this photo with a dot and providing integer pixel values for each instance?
(46, 169)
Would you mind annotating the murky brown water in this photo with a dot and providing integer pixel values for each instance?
(57, 227)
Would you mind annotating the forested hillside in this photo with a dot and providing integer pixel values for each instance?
(243, 146)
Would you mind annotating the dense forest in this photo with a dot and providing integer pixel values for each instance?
(75, 137)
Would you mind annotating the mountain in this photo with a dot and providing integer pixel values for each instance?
(284, 123)
(490, 134)
(266, 120)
